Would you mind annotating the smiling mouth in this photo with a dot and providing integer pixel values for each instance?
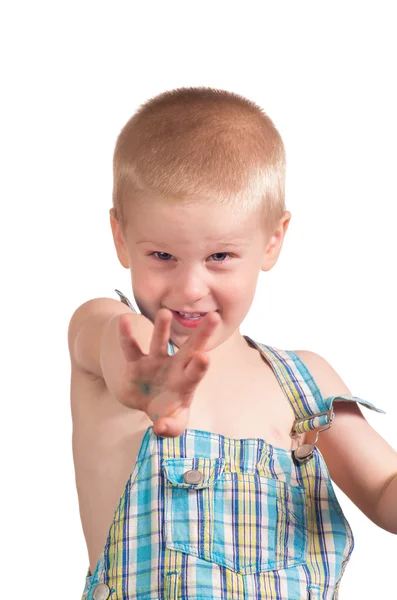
(183, 314)
(188, 314)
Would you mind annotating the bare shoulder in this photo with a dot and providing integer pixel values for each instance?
(94, 311)
(329, 383)
(86, 327)
(323, 373)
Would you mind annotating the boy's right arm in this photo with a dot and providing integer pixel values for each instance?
(94, 340)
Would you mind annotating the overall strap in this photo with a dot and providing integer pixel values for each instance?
(311, 410)
(125, 300)
(310, 419)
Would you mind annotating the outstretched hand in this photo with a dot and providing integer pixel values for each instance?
(163, 386)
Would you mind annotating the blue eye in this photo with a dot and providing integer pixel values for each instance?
(166, 254)
(221, 254)
(159, 253)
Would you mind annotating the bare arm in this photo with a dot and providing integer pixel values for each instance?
(387, 506)
(359, 460)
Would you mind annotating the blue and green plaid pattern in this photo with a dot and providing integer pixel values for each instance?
(258, 525)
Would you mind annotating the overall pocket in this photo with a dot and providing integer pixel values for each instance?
(243, 521)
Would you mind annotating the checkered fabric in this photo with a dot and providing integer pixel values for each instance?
(255, 525)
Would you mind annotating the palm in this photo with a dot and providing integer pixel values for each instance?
(160, 386)
(163, 386)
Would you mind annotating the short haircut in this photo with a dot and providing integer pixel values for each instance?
(201, 142)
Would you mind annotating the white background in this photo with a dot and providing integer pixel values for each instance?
(72, 74)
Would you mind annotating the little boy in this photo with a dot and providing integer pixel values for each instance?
(200, 470)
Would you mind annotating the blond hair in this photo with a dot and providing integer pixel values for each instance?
(201, 142)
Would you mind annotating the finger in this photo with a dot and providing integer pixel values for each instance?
(161, 333)
(172, 426)
(193, 374)
(199, 339)
(129, 345)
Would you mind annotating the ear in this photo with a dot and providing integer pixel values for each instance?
(275, 243)
(118, 239)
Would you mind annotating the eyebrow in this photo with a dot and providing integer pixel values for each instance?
(222, 242)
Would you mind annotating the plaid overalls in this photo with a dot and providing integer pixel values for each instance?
(207, 517)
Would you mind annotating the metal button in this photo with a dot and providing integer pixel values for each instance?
(304, 452)
(101, 591)
(193, 476)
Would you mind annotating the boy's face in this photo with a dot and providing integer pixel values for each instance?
(196, 258)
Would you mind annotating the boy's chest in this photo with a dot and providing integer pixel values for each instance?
(237, 401)
(244, 401)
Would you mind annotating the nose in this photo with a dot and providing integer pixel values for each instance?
(190, 285)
